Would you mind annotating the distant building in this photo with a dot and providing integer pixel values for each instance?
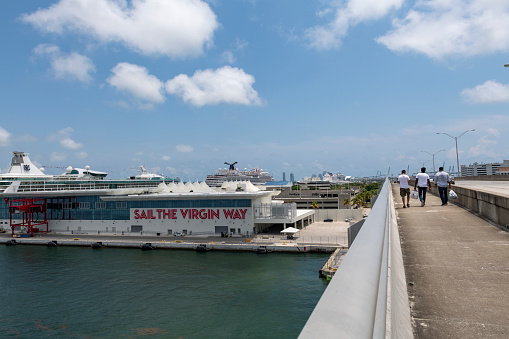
(314, 183)
(503, 169)
(477, 169)
(326, 199)
(277, 185)
(284, 176)
(292, 178)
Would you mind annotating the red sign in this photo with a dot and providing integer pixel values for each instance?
(190, 213)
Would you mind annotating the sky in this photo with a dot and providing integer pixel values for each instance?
(360, 87)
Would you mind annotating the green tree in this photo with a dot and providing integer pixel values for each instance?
(358, 199)
(314, 204)
(346, 202)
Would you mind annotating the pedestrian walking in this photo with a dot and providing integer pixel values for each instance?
(442, 181)
(422, 182)
(404, 188)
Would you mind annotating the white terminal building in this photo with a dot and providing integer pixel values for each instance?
(477, 169)
(83, 201)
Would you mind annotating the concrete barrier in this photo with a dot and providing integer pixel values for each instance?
(490, 206)
(367, 297)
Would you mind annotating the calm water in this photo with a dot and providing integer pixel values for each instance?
(111, 293)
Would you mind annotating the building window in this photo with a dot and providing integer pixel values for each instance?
(120, 205)
(100, 205)
(84, 205)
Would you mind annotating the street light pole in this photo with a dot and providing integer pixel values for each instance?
(433, 155)
(456, 139)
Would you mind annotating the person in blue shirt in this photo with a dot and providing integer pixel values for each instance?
(443, 181)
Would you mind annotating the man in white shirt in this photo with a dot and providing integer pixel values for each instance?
(442, 181)
(422, 181)
(404, 189)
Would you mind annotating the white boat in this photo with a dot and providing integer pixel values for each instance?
(255, 176)
(23, 177)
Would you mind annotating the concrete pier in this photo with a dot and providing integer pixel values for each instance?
(331, 266)
(318, 237)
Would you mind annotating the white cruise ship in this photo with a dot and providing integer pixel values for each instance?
(255, 176)
(24, 176)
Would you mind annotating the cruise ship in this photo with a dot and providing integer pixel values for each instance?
(82, 201)
(24, 176)
(255, 176)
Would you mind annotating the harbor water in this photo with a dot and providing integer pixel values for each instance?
(69, 292)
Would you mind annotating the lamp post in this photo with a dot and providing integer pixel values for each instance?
(433, 155)
(456, 139)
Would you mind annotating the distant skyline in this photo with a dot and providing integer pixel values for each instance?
(183, 86)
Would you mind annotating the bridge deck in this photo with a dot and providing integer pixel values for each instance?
(457, 271)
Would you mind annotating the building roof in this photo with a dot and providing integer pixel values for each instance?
(277, 183)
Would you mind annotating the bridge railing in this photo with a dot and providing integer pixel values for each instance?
(367, 297)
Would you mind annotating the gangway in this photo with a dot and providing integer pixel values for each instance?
(33, 213)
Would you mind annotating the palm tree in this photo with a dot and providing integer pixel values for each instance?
(314, 204)
(346, 202)
(358, 199)
(368, 195)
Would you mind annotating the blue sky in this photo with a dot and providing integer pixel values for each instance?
(287, 86)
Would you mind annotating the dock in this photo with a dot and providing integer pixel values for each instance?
(166, 243)
(331, 266)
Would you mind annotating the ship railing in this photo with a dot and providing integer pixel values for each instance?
(50, 186)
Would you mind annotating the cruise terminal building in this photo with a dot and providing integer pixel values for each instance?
(32, 201)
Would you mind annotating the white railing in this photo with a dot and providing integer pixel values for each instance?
(367, 297)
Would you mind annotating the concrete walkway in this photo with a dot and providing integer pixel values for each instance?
(457, 271)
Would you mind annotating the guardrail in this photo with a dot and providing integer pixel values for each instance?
(367, 298)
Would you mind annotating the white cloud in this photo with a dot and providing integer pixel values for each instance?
(82, 155)
(57, 156)
(494, 132)
(166, 157)
(137, 81)
(175, 28)
(184, 148)
(490, 91)
(328, 36)
(64, 138)
(438, 28)
(483, 148)
(5, 137)
(451, 153)
(228, 56)
(211, 87)
(70, 144)
(72, 66)
(171, 170)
